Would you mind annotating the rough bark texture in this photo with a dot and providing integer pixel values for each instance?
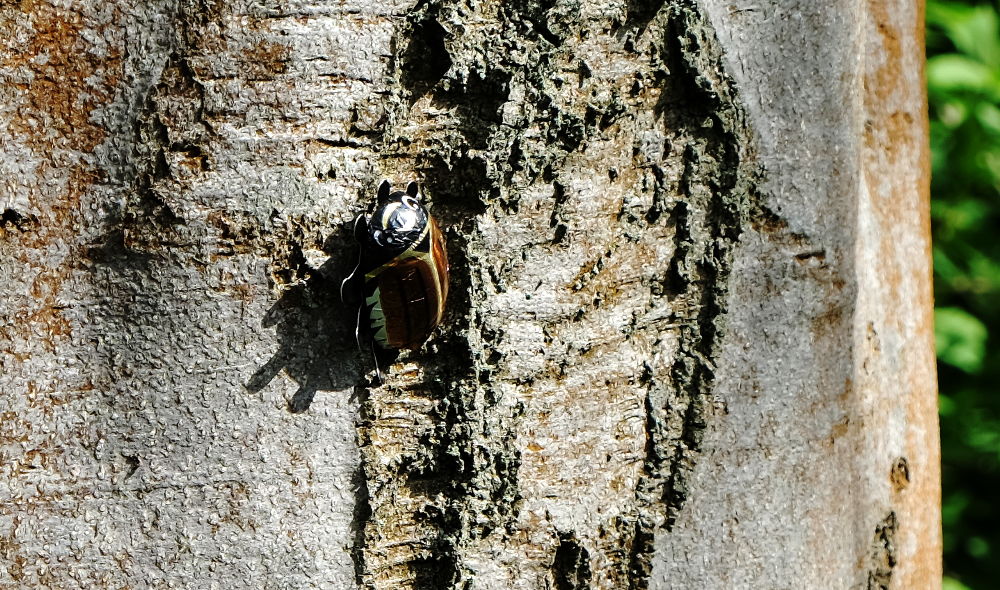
(688, 341)
(827, 365)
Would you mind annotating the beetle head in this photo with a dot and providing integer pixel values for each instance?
(399, 218)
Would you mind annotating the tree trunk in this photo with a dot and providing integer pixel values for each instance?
(688, 342)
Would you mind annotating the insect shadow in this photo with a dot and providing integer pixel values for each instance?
(315, 330)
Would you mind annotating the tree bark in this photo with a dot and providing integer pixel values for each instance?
(688, 342)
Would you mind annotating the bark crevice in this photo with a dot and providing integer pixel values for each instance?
(883, 554)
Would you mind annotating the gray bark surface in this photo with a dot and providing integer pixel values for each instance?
(688, 342)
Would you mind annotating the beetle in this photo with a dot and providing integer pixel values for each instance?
(400, 283)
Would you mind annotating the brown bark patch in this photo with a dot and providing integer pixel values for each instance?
(896, 172)
(57, 80)
(266, 60)
(62, 92)
(892, 132)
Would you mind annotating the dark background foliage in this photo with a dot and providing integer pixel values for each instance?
(963, 76)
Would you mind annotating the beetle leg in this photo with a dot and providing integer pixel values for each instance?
(357, 331)
(378, 371)
(349, 286)
(383, 191)
(360, 227)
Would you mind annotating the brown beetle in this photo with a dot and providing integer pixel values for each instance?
(401, 280)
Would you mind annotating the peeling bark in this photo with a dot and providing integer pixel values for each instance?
(664, 341)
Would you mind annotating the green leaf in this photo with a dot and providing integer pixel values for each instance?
(953, 507)
(983, 440)
(973, 30)
(977, 547)
(941, 13)
(960, 215)
(960, 337)
(978, 35)
(953, 584)
(988, 116)
(945, 267)
(951, 72)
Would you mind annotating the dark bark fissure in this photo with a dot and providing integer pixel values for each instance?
(883, 553)
(641, 12)
(11, 219)
(425, 60)
(571, 565)
(463, 465)
(707, 116)
(362, 512)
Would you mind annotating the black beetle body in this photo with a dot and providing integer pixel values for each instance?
(401, 280)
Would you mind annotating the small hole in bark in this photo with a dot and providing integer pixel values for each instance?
(900, 474)
(132, 464)
(11, 219)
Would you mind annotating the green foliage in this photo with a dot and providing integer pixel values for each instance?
(953, 584)
(963, 82)
(961, 338)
